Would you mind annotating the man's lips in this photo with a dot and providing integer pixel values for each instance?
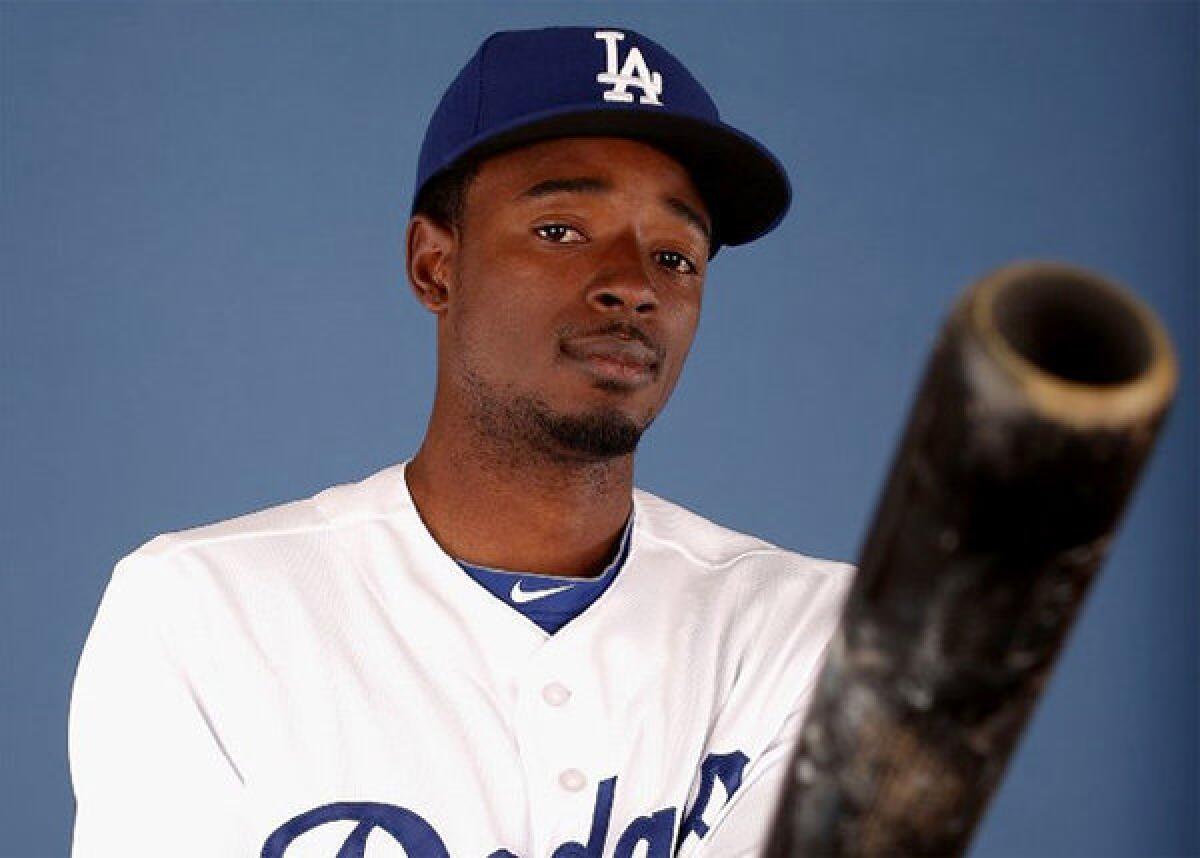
(613, 357)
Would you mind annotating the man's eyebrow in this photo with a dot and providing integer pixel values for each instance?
(689, 214)
(592, 185)
(576, 185)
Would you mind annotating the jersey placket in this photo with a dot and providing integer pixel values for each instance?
(561, 736)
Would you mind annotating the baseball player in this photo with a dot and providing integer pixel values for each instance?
(498, 647)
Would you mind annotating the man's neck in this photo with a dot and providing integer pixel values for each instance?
(521, 512)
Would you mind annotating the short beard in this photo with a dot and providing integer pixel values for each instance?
(524, 424)
(599, 435)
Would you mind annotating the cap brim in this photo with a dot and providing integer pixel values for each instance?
(745, 187)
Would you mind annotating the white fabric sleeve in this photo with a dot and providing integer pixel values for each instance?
(745, 823)
(150, 776)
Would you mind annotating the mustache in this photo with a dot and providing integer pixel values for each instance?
(618, 329)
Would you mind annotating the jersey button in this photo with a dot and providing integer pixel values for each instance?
(556, 694)
(572, 780)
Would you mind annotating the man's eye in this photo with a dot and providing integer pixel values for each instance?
(559, 233)
(677, 262)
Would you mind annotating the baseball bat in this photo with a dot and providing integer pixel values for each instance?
(1038, 408)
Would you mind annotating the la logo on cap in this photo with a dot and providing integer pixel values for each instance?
(635, 72)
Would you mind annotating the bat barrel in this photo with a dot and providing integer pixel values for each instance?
(1038, 408)
(1081, 350)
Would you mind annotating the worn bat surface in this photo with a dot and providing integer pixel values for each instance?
(1039, 406)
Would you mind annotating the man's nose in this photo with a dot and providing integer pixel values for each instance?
(625, 280)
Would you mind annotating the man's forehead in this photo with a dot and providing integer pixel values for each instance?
(589, 160)
(593, 166)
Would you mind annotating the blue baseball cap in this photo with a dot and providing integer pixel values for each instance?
(524, 86)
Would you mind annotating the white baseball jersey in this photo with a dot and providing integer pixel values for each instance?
(321, 679)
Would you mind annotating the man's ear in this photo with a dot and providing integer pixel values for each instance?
(431, 254)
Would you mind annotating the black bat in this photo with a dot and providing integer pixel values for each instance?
(1039, 406)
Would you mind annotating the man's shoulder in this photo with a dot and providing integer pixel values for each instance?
(337, 506)
(714, 547)
(777, 609)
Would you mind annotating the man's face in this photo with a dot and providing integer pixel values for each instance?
(577, 284)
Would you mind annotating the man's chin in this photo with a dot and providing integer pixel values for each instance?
(593, 435)
(576, 431)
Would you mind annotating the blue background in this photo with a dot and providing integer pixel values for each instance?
(204, 312)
